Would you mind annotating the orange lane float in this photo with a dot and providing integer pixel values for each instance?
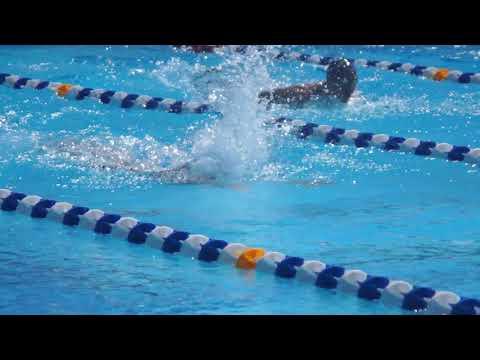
(440, 75)
(248, 259)
(63, 89)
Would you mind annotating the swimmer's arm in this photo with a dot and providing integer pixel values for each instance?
(295, 94)
(161, 174)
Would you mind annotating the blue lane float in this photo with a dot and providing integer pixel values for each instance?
(116, 98)
(429, 72)
(339, 136)
(355, 282)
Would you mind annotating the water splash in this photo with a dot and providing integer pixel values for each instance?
(237, 145)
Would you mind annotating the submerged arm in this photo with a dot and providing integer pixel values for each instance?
(295, 94)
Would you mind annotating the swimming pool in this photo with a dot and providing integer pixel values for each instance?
(398, 215)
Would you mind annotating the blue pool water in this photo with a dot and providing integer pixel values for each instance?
(397, 215)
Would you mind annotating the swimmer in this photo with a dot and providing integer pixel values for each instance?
(201, 172)
(340, 85)
(204, 171)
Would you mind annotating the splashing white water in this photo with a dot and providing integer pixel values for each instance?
(235, 146)
(110, 153)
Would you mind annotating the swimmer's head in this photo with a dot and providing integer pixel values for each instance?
(341, 79)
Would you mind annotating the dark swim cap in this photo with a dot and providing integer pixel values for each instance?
(341, 79)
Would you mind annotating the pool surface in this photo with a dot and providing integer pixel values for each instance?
(393, 214)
